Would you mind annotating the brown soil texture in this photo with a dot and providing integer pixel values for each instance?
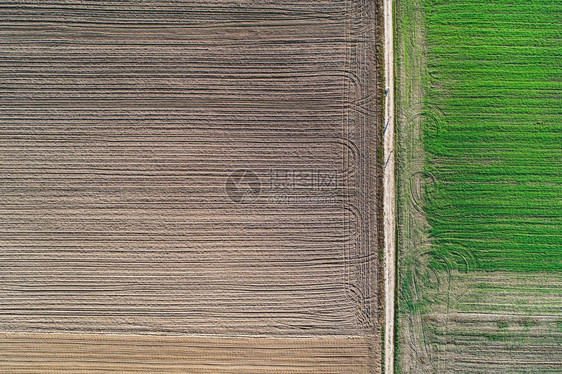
(187, 169)
(87, 353)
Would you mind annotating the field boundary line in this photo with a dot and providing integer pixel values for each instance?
(389, 189)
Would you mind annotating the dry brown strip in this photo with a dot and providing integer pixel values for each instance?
(87, 353)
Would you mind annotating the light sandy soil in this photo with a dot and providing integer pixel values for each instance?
(87, 353)
(389, 190)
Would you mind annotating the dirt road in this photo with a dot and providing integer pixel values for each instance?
(389, 189)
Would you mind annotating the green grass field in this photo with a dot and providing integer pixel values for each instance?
(480, 245)
(495, 149)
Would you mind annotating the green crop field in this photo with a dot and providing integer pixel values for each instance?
(480, 258)
(495, 149)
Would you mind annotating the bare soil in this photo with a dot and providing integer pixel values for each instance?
(192, 168)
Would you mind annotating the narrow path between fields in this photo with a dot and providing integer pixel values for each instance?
(389, 188)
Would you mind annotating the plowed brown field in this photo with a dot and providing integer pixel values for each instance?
(191, 186)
